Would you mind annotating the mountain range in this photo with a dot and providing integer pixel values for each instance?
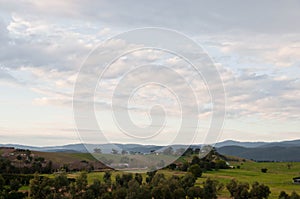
(258, 151)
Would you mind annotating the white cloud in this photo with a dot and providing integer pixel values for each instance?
(256, 47)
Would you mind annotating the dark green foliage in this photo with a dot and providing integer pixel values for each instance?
(209, 189)
(195, 170)
(158, 178)
(97, 189)
(120, 193)
(161, 192)
(150, 175)
(2, 183)
(40, 187)
(264, 170)
(259, 191)
(195, 192)
(187, 181)
(284, 195)
(81, 182)
(139, 178)
(124, 179)
(294, 195)
(184, 166)
(15, 184)
(195, 160)
(107, 176)
(240, 190)
(61, 184)
(188, 152)
(179, 193)
(221, 164)
(172, 166)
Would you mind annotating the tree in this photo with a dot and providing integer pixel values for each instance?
(195, 170)
(172, 166)
(114, 151)
(187, 181)
(209, 189)
(188, 151)
(48, 168)
(97, 188)
(259, 191)
(139, 178)
(39, 187)
(97, 150)
(61, 183)
(174, 183)
(120, 193)
(283, 195)
(14, 184)
(156, 193)
(184, 166)
(238, 190)
(150, 175)
(107, 195)
(221, 164)
(195, 192)
(158, 178)
(19, 157)
(179, 193)
(145, 192)
(264, 170)
(123, 180)
(81, 182)
(2, 183)
(294, 195)
(161, 191)
(195, 160)
(106, 177)
(133, 189)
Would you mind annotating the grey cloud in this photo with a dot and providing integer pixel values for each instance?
(187, 16)
(250, 94)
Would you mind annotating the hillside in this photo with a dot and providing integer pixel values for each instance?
(259, 151)
(273, 153)
(21, 158)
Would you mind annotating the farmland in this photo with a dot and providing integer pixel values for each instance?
(278, 177)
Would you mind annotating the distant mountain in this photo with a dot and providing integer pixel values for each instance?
(273, 153)
(242, 144)
(291, 143)
(261, 151)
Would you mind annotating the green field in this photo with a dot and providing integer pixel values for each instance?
(278, 177)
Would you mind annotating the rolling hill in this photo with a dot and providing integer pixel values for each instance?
(259, 151)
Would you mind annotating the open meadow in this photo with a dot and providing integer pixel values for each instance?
(279, 176)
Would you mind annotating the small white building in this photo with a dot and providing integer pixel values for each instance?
(296, 180)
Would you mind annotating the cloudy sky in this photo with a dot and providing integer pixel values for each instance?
(255, 46)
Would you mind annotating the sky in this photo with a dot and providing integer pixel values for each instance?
(254, 45)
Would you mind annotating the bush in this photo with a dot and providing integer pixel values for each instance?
(264, 170)
(195, 170)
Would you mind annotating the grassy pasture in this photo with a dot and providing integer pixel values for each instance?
(278, 177)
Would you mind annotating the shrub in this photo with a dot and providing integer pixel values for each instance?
(264, 170)
(195, 170)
